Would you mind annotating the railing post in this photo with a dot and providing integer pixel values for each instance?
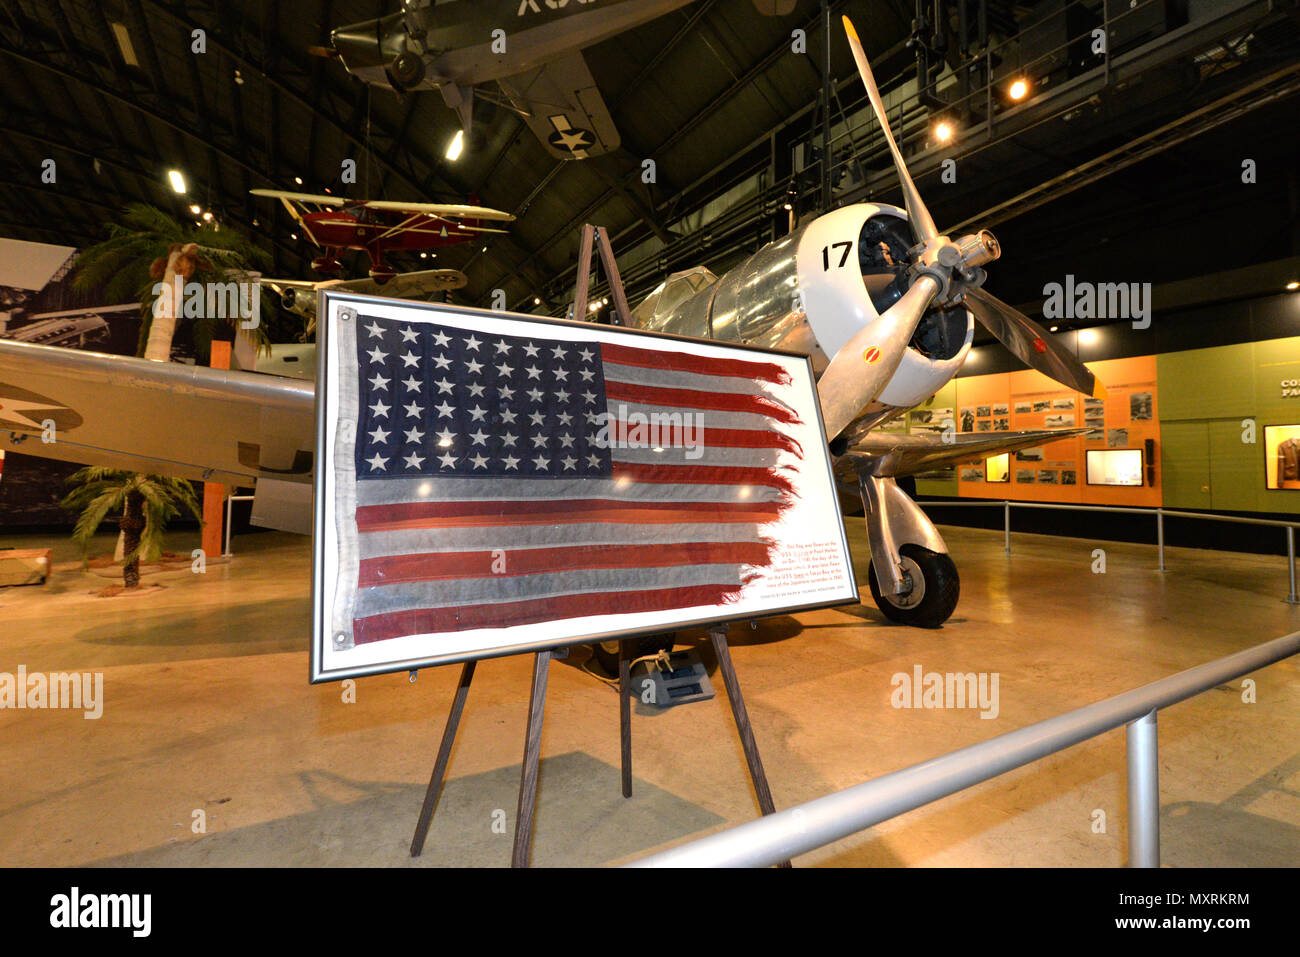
(230, 507)
(1160, 536)
(1290, 563)
(1143, 793)
(1006, 527)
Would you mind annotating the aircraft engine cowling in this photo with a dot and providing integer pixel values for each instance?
(814, 289)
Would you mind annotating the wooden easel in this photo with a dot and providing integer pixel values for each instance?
(533, 742)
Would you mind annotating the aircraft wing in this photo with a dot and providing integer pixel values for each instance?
(564, 108)
(192, 422)
(898, 454)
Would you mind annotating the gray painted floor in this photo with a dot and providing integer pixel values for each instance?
(207, 709)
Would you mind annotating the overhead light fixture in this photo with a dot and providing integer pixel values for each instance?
(195, 209)
(537, 301)
(424, 255)
(207, 217)
(293, 235)
(788, 206)
(1087, 336)
(943, 131)
(298, 180)
(124, 45)
(239, 78)
(1053, 329)
(1293, 285)
(1018, 89)
(456, 146)
(177, 180)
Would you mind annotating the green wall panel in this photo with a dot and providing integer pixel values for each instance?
(1207, 383)
(1185, 463)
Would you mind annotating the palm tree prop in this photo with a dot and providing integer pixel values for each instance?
(145, 501)
(148, 246)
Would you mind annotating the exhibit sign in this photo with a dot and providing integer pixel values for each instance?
(490, 483)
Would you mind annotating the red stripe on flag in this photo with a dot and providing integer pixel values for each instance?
(681, 362)
(673, 437)
(443, 566)
(695, 399)
(702, 475)
(375, 518)
(418, 621)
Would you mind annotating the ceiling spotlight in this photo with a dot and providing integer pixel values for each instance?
(424, 255)
(298, 180)
(1053, 329)
(1018, 89)
(239, 78)
(207, 217)
(943, 131)
(1293, 285)
(456, 146)
(788, 206)
(537, 301)
(177, 180)
(1087, 336)
(293, 235)
(195, 209)
(593, 307)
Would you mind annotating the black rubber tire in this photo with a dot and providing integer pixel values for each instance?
(942, 589)
(606, 652)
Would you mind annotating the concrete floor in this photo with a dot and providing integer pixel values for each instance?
(207, 708)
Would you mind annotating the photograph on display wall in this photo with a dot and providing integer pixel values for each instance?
(967, 420)
(1059, 421)
(1062, 403)
(984, 425)
(1047, 476)
(404, 573)
(1139, 404)
(1042, 405)
(1069, 477)
(1282, 457)
(982, 411)
(1024, 407)
(1090, 405)
(1095, 421)
(1024, 477)
(972, 475)
(1002, 409)
(1117, 438)
(930, 420)
(1001, 425)
(1030, 455)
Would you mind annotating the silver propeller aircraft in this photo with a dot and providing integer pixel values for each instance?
(532, 49)
(883, 304)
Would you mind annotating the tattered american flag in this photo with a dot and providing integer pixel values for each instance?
(496, 480)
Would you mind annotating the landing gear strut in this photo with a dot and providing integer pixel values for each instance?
(912, 579)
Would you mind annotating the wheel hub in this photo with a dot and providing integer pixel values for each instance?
(911, 573)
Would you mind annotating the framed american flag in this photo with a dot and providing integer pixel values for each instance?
(489, 483)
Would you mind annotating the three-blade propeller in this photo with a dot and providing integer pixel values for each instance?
(858, 373)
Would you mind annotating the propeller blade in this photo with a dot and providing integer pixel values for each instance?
(862, 368)
(1031, 343)
(922, 223)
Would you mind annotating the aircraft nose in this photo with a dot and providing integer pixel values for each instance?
(368, 44)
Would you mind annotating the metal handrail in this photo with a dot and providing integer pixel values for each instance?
(1159, 512)
(816, 823)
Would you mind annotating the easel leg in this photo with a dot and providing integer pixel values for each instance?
(532, 757)
(444, 755)
(743, 727)
(625, 717)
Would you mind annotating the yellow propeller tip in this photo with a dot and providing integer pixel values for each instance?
(848, 28)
